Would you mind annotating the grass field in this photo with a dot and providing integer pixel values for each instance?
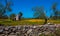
(27, 22)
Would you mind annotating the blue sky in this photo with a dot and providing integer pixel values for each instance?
(25, 6)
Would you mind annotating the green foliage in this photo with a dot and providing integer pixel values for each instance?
(5, 17)
(56, 13)
(5, 7)
(12, 16)
(20, 15)
(56, 16)
(39, 12)
(54, 6)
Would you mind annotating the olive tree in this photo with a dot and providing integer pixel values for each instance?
(39, 13)
(6, 7)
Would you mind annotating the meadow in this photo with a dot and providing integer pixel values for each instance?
(27, 22)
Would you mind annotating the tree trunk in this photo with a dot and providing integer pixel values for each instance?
(45, 21)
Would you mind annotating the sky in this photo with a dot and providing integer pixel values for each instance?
(25, 6)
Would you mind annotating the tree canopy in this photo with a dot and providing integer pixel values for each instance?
(39, 12)
(5, 7)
